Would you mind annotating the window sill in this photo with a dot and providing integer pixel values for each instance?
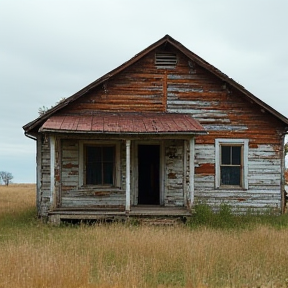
(235, 188)
(102, 188)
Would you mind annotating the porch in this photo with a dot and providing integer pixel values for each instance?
(140, 212)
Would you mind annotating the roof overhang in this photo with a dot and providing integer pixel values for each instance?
(124, 123)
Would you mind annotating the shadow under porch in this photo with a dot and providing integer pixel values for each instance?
(140, 212)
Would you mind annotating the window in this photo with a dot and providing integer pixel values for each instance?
(231, 163)
(100, 164)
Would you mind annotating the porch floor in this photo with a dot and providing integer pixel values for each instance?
(151, 210)
(139, 211)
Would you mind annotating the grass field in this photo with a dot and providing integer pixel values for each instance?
(35, 254)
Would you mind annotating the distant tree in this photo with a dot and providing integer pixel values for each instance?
(6, 177)
(286, 148)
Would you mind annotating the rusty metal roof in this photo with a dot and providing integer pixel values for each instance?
(129, 123)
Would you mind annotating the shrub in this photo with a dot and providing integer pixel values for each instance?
(203, 215)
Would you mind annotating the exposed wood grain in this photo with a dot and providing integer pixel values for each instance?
(187, 88)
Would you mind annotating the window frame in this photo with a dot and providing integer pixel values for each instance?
(92, 162)
(82, 163)
(244, 163)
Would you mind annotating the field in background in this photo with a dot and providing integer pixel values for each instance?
(35, 254)
(16, 198)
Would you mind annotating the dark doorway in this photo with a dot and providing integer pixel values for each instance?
(149, 172)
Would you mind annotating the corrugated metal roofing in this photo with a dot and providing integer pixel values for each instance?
(139, 123)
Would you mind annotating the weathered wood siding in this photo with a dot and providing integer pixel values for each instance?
(264, 180)
(139, 88)
(187, 88)
(226, 114)
(44, 190)
(70, 173)
(74, 196)
(174, 173)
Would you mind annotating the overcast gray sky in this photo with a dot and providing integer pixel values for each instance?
(52, 49)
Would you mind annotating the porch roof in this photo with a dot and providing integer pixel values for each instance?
(128, 123)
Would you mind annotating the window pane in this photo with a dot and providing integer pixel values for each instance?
(108, 154)
(236, 155)
(100, 165)
(230, 175)
(108, 173)
(225, 154)
(94, 174)
(93, 154)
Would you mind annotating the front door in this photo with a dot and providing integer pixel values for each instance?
(149, 174)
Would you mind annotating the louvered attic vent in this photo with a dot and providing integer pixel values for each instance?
(165, 60)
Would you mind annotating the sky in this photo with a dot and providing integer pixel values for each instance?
(52, 49)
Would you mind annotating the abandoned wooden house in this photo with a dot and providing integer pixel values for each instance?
(155, 136)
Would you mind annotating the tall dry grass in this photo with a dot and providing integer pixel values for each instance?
(33, 254)
(16, 198)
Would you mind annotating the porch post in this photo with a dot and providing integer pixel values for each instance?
(128, 144)
(192, 170)
(52, 171)
(39, 173)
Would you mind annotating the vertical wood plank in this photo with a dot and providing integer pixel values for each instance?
(162, 172)
(58, 178)
(192, 170)
(128, 145)
(283, 198)
(245, 165)
(165, 91)
(52, 171)
(38, 174)
(185, 159)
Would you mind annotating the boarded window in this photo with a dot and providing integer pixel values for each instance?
(165, 60)
(100, 165)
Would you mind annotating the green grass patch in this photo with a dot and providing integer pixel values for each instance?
(18, 219)
(224, 218)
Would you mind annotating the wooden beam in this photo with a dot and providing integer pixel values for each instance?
(38, 173)
(282, 185)
(52, 171)
(162, 172)
(128, 145)
(165, 91)
(185, 162)
(192, 170)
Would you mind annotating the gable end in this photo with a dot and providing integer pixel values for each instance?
(164, 59)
